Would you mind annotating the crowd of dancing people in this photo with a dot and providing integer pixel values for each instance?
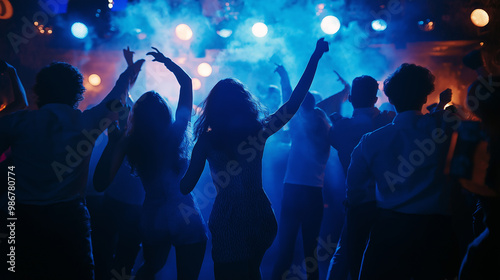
(94, 187)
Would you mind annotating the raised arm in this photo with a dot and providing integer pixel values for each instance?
(286, 87)
(196, 166)
(111, 159)
(290, 107)
(185, 105)
(333, 103)
(12, 96)
(123, 84)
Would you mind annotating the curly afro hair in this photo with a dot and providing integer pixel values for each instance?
(61, 83)
(408, 87)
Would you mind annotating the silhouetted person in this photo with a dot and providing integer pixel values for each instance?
(302, 203)
(411, 236)
(156, 146)
(12, 99)
(231, 136)
(480, 174)
(51, 148)
(344, 136)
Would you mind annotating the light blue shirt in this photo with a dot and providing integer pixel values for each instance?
(406, 159)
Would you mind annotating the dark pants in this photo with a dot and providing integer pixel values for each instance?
(53, 242)
(406, 246)
(355, 233)
(301, 209)
(116, 237)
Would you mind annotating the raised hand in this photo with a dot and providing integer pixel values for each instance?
(158, 56)
(129, 56)
(280, 69)
(321, 47)
(445, 96)
(133, 71)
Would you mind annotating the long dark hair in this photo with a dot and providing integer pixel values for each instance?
(152, 143)
(230, 112)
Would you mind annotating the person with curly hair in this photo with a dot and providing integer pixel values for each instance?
(411, 234)
(51, 148)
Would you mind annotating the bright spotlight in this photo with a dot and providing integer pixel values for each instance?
(379, 25)
(196, 84)
(183, 32)
(224, 33)
(259, 29)
(330, 25)
(79, 30)
(479, 17)
(204, 69)
(94, 80)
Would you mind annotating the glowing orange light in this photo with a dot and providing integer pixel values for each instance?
(196, 84)
(479, 17)
(94, 80)
(204, 69)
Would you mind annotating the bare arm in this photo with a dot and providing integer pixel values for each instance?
(196, 166)
(289, 108)
(14, 89)
(286, 87)
(111, 159)
(333, 103)
(185, 105)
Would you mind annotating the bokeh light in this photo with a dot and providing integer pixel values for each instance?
(379, 25)
(183, 32)
(479, 17)
(204, 69)
(224, 33)
(94, 80)
(79, 30)
(259, 29)
(330, 25)
(196, 84)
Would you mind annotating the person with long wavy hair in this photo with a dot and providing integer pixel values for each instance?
(156, 147)
(231, 136)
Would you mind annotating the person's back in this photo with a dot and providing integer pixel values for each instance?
(344, 136)
(346, 132)
(407, 159)
(309, 149)
(51, 148)
(411, 236)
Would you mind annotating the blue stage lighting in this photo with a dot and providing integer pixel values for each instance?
(79, 30)
(379, 25)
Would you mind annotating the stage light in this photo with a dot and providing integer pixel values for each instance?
(224, 33)
(379, 25)
(204, 69)
(94, 80)
(196, 84)
(259, 29)
(183, 32)
(479, 17)
(79, 30)
(330, 25)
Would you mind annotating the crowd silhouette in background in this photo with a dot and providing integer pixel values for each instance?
(93, 187)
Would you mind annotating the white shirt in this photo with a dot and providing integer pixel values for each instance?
(406, 159)
(51, 148)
